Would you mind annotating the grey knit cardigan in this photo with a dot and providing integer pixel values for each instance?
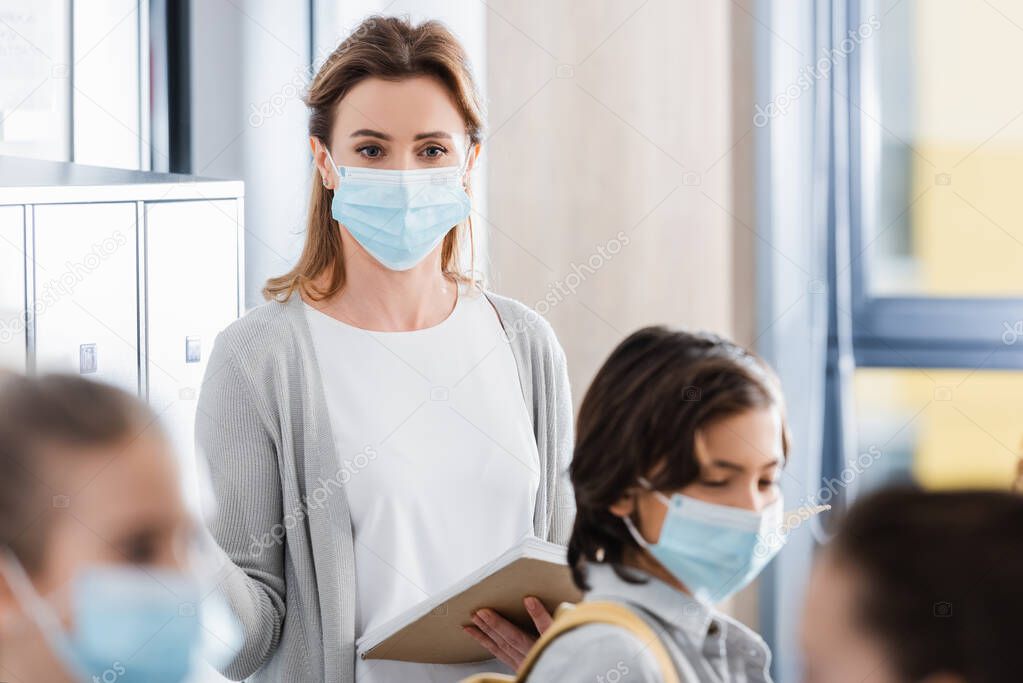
(282, 521)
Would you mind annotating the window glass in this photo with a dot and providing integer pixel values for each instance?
(949, 216)
(35, 86)
(945, 428)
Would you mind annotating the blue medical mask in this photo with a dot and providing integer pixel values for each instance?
(399, 216)
(714, 550)
(129, 624)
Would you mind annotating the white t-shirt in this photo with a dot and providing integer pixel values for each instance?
(442, 466)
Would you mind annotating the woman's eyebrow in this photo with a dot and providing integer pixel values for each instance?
(434, 134)
(368, 133)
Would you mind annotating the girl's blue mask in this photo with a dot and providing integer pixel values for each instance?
(130, 624)
(714, 550)
(399, 216)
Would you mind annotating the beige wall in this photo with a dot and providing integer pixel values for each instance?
(621, 127)
(639, 137)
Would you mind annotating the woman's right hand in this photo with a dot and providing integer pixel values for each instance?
(502, 638)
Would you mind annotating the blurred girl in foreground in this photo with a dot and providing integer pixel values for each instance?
(97, 554)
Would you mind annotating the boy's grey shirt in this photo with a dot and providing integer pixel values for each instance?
(281, 515)
(705, 645)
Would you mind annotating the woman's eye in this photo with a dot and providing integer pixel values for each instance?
(434, 151)
(768, 483)
(370, 151)
(723, 482)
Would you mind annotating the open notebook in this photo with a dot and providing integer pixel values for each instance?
(431, 632)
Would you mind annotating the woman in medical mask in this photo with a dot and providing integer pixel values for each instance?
(99, 577)
(382, 426)
(681, 443)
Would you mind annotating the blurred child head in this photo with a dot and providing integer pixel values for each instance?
(89, 478)
(919, 587)
(673, 412)
(88, 481)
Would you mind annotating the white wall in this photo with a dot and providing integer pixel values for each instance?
(249, 65)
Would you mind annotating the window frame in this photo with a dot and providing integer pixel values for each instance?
(902, 330)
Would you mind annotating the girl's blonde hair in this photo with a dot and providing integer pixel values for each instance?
(391, 48)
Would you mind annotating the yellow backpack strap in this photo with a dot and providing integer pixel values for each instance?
(568, 617)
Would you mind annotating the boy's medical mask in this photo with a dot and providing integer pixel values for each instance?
(132, 624)
(399, 216)
(714, 550)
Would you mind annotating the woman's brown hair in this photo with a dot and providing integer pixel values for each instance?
(40, 416)
(394, 49)
(641, 414)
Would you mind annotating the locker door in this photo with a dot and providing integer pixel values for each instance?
(192, 293)
(86, 291)
(12, 288)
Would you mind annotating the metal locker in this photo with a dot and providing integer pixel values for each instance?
(86, 294)
(192, 292)
(12, 288)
